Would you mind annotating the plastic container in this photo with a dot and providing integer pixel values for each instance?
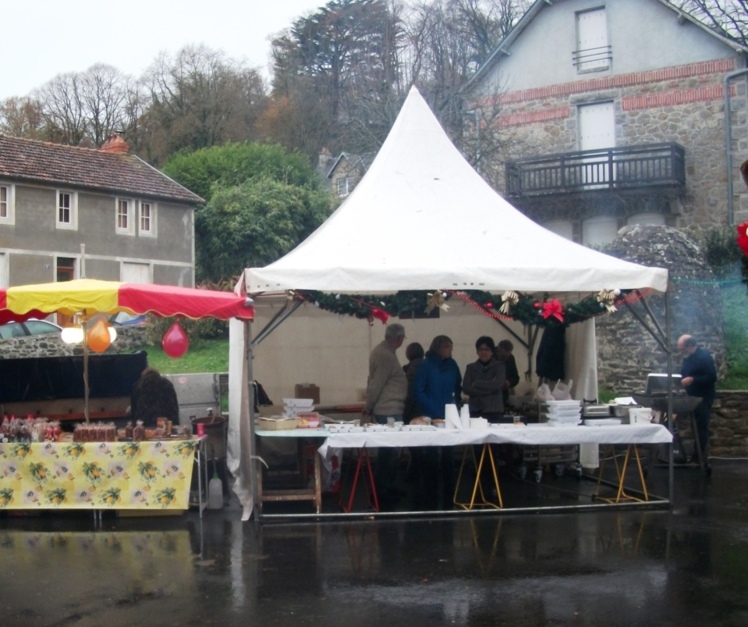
(215, 492)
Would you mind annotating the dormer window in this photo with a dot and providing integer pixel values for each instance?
(593, 53)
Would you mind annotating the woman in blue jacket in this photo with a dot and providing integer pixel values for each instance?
(438, 383)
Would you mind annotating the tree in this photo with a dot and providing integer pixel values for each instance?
(261, 202)
(729, 18)
(233, 164)
(85, 108)
(253, 224)
(199, 99)
(343, 60)
(22, 117)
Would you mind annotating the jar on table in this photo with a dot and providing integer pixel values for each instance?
(128, 430)
(138, 432)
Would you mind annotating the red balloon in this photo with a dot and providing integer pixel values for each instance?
(98, 336)
(175, 341)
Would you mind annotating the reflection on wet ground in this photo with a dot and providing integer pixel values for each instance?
(684, 566)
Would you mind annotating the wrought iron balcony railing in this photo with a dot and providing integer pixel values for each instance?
(625, 167)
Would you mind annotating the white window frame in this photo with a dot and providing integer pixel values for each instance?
(128, 214)
(72, 222)
(349, 183)
(7, 203)
(151, 231)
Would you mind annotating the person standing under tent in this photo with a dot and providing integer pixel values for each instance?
(484, 382)
(153, 396)
(386, 390)
(699, 376)
(511, 374)
(414, 354)
(438, 383)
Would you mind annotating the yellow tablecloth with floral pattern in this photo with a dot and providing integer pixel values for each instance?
(96, 475)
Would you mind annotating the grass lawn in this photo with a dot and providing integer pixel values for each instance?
(202, 356)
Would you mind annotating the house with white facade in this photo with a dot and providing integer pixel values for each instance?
(617, 112)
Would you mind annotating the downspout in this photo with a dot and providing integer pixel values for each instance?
(728, 144)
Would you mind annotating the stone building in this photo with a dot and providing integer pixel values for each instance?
(617, 113)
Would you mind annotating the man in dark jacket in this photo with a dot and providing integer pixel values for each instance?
(699, 377)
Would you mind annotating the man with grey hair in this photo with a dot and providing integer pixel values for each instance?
(386, 390)
(699, 377)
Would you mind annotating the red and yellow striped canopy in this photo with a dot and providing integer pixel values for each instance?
(91, 296)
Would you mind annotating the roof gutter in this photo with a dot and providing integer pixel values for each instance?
(728, 144)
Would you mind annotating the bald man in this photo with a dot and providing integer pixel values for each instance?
(699, 379)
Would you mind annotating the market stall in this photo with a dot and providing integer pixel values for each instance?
(139, 473)
(423, 220)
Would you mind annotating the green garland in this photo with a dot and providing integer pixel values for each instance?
(529, 310)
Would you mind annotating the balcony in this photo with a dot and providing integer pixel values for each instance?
(612, 169)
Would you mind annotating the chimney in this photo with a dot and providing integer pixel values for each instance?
(115, 145)
(324, 159)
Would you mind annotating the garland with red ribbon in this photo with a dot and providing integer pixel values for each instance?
(528, 310)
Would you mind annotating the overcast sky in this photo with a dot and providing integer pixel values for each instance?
(43, 38)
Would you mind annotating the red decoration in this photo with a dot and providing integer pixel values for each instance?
(553, 308)
(743, 237)
(175, 341)
(97, 338)
(380, 314)
(536, 305)
(489, 305)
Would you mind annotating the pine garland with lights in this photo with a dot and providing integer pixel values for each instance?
(529, 310)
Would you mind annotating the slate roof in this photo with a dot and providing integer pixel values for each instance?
(87, 168)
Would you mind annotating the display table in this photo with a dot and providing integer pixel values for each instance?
(153, 475)
(530, 435)
(541, 434)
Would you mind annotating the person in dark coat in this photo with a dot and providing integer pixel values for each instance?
(153, 397)
(549, 362)
(699, 377)
(414, 354)
(511, 374)
(484, 382)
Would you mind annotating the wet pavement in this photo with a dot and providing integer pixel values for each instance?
(686, 565)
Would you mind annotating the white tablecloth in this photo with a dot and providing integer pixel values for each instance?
(535, 435)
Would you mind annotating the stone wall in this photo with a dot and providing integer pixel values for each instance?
(50, 345)
(729, 424)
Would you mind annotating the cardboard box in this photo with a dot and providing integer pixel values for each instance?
(307, 390)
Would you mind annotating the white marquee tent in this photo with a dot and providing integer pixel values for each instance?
(423, 219)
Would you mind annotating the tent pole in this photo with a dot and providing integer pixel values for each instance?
(86, 393)
(669, 353)
(254, 464)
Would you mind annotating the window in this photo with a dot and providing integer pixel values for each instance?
(345, 185)
(7, 204)
(67, 210)
(593, 54)
(147, 218)
(124, 219)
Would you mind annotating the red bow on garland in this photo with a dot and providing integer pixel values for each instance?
(553, 308)
(743, 237)
(380, 314)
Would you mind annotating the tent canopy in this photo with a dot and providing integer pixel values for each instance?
(95, 296)
(422, 218)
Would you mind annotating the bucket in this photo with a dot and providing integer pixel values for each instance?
(215, 429)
